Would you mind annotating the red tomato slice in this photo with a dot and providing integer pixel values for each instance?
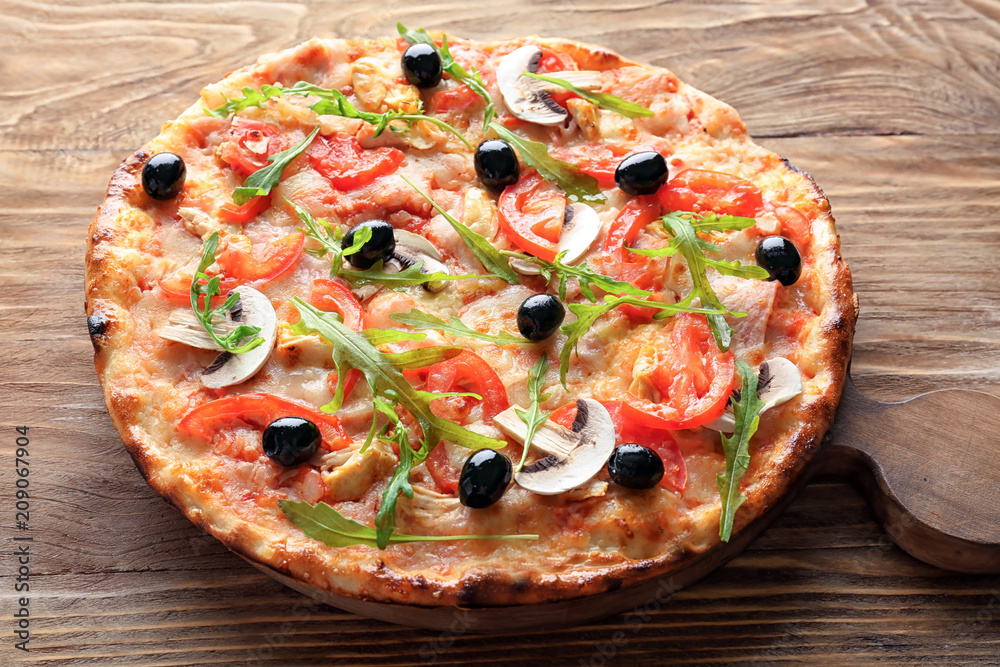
(240, 214)
(707, 191)
(597, 160)
(353, 376)
(332, 295)
(531, 215)
(694, 379)
(457, 99)
(659, 440)
(467, 372)
(177, 288)
(639, 212)
(276, 258)
(251, 144)
(444, 474)
(347, 165)
(258, 410)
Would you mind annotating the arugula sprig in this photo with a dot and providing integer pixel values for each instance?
(484, 251)
(260, 182)
(587, 277)
(420, 320)
(324, 523)
(470, 78)
(746, 411)
(353, 350)
(332, 103)
(603, 100)
(206, 291)
(588, 313)
(578, 186)
(533, 417)
(683, 227)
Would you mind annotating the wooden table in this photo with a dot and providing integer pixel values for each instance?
(892, 106)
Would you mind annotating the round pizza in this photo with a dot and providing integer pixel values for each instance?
(447, 323)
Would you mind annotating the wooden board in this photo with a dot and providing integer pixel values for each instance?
(892, 106)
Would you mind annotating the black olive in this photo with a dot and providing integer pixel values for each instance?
(484, 478)
(540, 316)
(422, 66)
(641, 173)
(496, 164)
(635, 467)
(379, 247)
(291, 441)
(163, 176)
(780, 258)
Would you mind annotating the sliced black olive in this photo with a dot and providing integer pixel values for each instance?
(485, 476)
(635, 467)
(496, 164)
(540, 316)
(422, 66)
(641, 173)
(163, 176)
(780, 258)
(379, 247)
(291, 441)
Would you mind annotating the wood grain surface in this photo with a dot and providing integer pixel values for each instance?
(893, 106)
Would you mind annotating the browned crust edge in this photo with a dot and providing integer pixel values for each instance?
(495, 588)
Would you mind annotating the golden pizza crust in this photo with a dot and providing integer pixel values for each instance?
(118, 259)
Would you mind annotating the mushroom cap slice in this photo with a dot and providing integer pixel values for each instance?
(421, 250)
(523, 95)
(573, 456)
(183, 326)
(228, 368)
(581, 227)
(779, 381)
(587, 79)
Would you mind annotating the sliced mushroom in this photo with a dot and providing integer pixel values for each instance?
(524, 96)
(587, 79)
(228, 368)
(573, 456)
(410, 249)
(183, 326)
(778, 382)
(580, 227)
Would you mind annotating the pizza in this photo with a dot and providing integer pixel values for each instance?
(446, 323)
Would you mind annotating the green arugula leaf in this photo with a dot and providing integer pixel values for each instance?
(587, 277)
(737, 449)
(251, 98)
(353, 350)
(681, 225)
(533, 417)
(335, 103)
(332, 103)
(420, 320)
(472, 79)
(203, 292)
(423, 357)
(409, 276)
(484, 251)
(587, 314)
(385, 336)
(322, 522)
(578, 186)
(329, 237)
(260, 182)
(603, 100)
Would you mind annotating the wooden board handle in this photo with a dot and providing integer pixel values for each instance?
(930, 467)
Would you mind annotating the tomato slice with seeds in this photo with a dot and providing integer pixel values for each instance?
(273, 260)
(241, 214)
(531, 214)
(710, 191)
(251, 144)
(334, 296)
(659, 440)
(258, 410)
(342, 160)
(693, 377)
